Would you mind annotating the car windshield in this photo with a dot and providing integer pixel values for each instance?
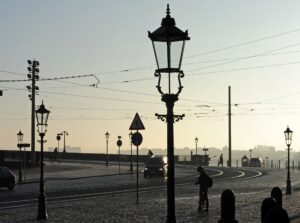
(156, 161)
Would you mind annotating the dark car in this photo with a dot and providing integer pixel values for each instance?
(255, 162)
(155, 166)
(7, 178)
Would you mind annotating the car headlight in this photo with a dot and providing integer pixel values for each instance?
(146, 168)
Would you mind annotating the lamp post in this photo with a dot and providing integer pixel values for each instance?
(131, 165)
(250, 153)
(58, 138)
(107, 138)
(288, 139)
(168, 43)
(205, 157)
(42, 115)
(119, 143)
(196, 141)
(20, 140)
(65, 133)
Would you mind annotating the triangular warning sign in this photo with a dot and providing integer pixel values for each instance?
(137, 123)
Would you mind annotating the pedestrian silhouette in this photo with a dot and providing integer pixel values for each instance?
(267, 204)
(277, 215)
(220, 161)
(150, 153)
(55, 154)
(276, 193)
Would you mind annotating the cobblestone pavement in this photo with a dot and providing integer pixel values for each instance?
(152, 206)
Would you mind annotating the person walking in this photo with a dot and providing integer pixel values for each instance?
(204, 181)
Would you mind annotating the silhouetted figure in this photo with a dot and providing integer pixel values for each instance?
(227, 207)
(55, 154)
(277, 215)
(150, 153)
(204, 182)
(267, 204)
(220, 160)
(276, 193)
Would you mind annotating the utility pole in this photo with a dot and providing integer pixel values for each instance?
(32, 75)
(229, 127)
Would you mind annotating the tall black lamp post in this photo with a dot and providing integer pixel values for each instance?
(288, 139)
(168, 43)
(131, 165)
(42, 115)
(20, 140)
(107, 138)
(65, 133)
(250, 153)
(196, 142)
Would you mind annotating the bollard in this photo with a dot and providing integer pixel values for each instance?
(227, 207)
(267, 204)
(276, 194)
(277, 215)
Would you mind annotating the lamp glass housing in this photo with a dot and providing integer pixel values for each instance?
(107, 135)
(20, 136)
(288, 136)
(42, 115)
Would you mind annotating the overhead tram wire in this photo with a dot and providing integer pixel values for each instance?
(245, 43)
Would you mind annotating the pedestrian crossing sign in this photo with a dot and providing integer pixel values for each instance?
(137, 123)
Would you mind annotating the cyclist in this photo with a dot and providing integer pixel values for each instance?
(204, 182)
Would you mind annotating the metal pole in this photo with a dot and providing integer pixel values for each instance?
(170, 99)
(20, 166)
(197, 162)
(288, 181)
(229, 126)
(33, 115)
(119, 161)
(42, 210)
(137, 174)
(64, 151)
(131, 165)
(106, 162)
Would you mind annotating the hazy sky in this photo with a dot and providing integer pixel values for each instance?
(253, 46)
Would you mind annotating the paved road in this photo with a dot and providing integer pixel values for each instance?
(249, 192)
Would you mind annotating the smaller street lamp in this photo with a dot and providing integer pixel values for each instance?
(205, 157)
(119, 143)
(42, 115)
(131, 165)
(196, 141)
(250, 153)
(288, 139)
(20, 140)
(107, 138)
(65, 133)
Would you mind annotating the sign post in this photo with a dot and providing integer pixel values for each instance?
(137, 139)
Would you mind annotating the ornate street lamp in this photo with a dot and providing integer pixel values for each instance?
(131, 165)
(107, 138)
(288, 140)
(168, 43)
(42, 115)
(196, 141)
(20, 140)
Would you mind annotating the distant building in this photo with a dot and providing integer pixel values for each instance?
(69, 149)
